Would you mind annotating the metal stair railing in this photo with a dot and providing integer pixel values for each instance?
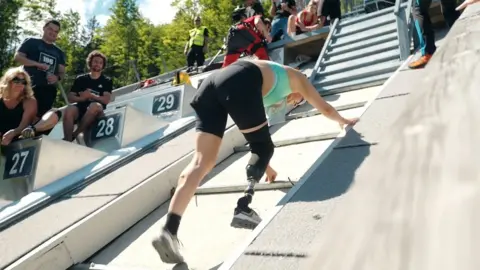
(403, 17)
(410, 23)
(333, 28)
(402, 30)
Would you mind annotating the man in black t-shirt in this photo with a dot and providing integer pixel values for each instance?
(281, 11)
(45, 63)
(91, 92)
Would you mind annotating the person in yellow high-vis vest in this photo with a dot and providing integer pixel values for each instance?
(197, 45)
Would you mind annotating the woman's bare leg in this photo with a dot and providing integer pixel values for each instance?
(206, 151)
(203, 161)
(46, 123)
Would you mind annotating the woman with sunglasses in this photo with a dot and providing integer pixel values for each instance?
(242, 90)
(17, 104)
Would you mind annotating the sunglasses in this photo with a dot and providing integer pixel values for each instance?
(17, 80)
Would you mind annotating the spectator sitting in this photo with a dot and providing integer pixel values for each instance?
(18, 107)
(281, 11)
(91, 92)
(252, 8)
(306, 21)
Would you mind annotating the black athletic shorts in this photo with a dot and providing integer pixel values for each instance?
(82, 109)
(236, 91)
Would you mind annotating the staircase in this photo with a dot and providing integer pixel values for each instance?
(360, 52)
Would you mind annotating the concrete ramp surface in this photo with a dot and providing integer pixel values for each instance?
(32, 164)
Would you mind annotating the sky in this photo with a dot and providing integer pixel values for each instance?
(157, 11)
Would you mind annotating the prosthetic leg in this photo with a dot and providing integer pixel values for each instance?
(262, 149)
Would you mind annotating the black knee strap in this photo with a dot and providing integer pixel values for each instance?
(259, 136)
(262, 149)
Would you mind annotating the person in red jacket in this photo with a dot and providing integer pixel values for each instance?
(248, 35)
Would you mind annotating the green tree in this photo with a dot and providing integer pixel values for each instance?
(92, 34)
(70, 41)
(36, 12)
(121, 40)
(126, 38)
(9, 31)
(149, 51)
(267, 4)
(216, 16)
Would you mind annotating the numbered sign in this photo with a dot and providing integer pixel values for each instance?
(166, 102)
(19, 162)
(106, 127)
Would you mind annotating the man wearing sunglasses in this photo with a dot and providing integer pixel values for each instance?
(45, 63)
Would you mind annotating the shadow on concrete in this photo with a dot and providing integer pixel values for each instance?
(334, 176)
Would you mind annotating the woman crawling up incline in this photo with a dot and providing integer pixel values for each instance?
(241, 90)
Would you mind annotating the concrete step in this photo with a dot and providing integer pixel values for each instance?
(352, 85)
(362, 18)
(340, 102)
(365, 26)
(362, 36)
(367, 60)
(359, 73)
(341, 48)
(320, 128)
(360, 52)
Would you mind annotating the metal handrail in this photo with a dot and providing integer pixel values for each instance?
(396, 10)
(324, 49)
(409, 12)
(402, 30)
(411, 28)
